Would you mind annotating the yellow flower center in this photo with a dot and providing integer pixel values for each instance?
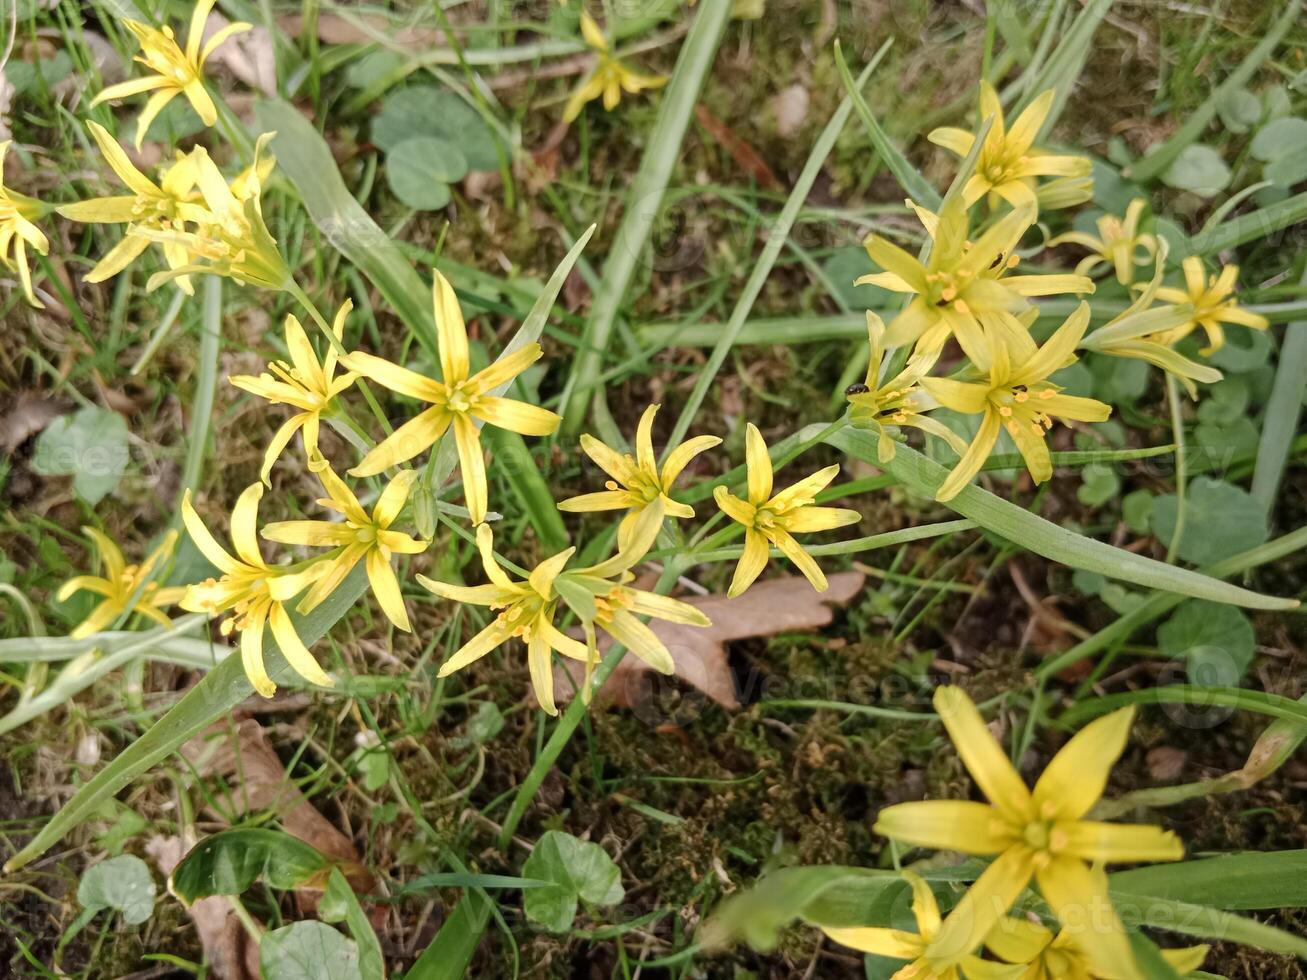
(460, 400)
(366, 534)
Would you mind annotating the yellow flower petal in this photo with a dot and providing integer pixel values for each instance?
(252, 654)
(1110, 843)
(410, 439)
(393, 498)
(476, 648)
(394, 377)
(472, 466)
(385, 586)
(485, 545)
(751, 564)
(974, 458)
(244, 525)
(505, 369)
(733, 507)
(945, 825)
(602, 500)
(209, 547)
(620, 467)
(984, 904)
(1075, 778)
(542, 671)
(758, 464)
(803, 561)
(515, 416)
(644, 452)
(280, 439)
(451, 331)
(294, 650)
(813, 518)
(982, 755)
(640, 640)
(1078, 897)
(680, 457)
(882, 942)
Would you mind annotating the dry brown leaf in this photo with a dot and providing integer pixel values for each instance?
(741, 151)
(366, 29)
(780, 605)
(248, 55)
(29, 414)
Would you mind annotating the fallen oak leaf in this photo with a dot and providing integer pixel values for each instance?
(740, 150)
(781, 605)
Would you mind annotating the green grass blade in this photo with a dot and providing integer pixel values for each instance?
(1283, 410)
(1252, 880)
(908, 176)
(1191, 695)
(1250, 227)
(1160, 157)
(449, 954)
(643, 204)
(206, 386)
(1205, 922)
(777, 233)
(304, 157)
(924, 476)
(216, 694)
(1063, 66)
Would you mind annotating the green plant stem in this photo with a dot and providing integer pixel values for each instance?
(1283, 410)
(853, 546)
(1181, 466)
(777, 233)
(643, 204)
(206, 384)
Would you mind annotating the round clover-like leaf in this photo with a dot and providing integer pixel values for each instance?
(579, 870)
(1198, 169)
(123, 884)
(309, 950)
(1280, 138)
(420, 170)
(1221, 520)
(426, 110)
(1215, 639)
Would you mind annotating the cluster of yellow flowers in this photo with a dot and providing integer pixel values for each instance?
(206, 224)
(964, 290)
(1039, 833)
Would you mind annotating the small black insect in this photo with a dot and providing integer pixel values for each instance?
(856, 389)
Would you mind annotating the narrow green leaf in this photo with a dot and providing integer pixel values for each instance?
(1251, 880)
(1161, 157)
(1283, 409)
(304, 157)
(924, 476)
(1255, 225)
(1204, 922)
(448, 955)
(908, 176)
(1257, 702)
(1064, 65)
(777, 233)
(216, 694)
(340, 903)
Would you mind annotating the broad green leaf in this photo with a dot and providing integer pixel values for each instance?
(1198, 169)
(420, 171)
(340, 904)
(448, 955)
(123, 884)
(231, 861)
(1149, 959)
(578, 869)
(1252, 880)
(1220, 520)
(924, 476)
(1280, 138)
(1239, 110)
(90, 446)
(428, 111)
(1216, 640)
(308, 951)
